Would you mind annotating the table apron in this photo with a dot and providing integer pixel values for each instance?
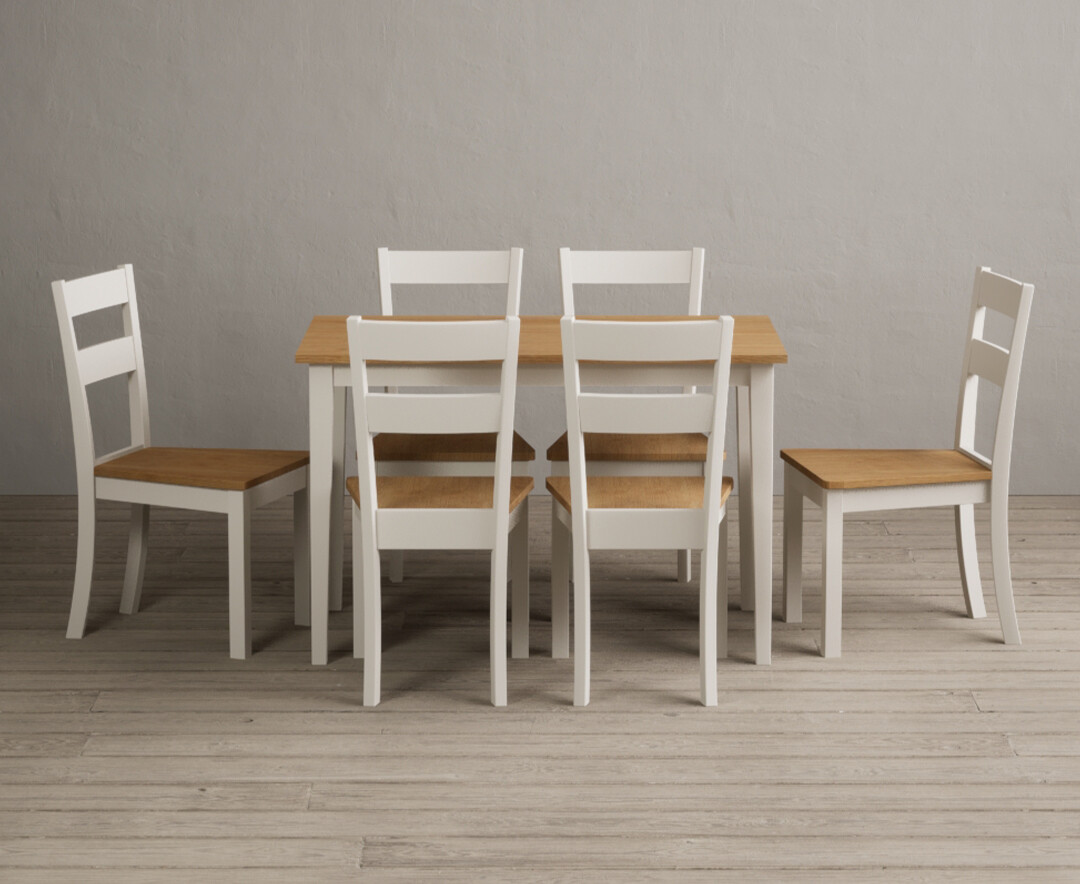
(535, 375)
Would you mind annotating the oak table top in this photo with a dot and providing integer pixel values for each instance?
(755, 341)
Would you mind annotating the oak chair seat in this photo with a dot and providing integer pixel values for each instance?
(639, 492)
(636, 447)
(440, 492)
(228, 469)
(849, 468)
(446, 448)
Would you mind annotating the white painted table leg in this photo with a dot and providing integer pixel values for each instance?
(239, 517)
(746, 520)
(832, 565)
(337, 497)
(321, 403)
(519, 583)
(560, 587)
(761, 459)
(793, 544)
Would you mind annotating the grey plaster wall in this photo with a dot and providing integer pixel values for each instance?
(846, 165)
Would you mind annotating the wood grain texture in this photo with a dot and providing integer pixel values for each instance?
(446, 447)
(756, 340)
(631, 447)
(639, 492)
(230, 469)
(934, 754)
(884, 467)
(440, 492)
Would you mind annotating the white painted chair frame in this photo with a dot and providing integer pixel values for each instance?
(575, 534)
(982, 360)
(124, 356)
(501, 267)
(678, 267)
(495, 529)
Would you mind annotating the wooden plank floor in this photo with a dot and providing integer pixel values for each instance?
(928, 752)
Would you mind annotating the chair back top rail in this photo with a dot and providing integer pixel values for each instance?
(684, 267)
(450, 268)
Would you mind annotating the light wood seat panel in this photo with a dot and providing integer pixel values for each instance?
(440, 492)
(639, 492)
(446, 447)
(848, 468)
(228, 469)
(636, 447)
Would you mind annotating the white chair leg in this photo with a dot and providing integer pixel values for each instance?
(337, 497)
(832, 552)
(722, 589)
(793, 537)
(519, 579)
(969, 560)
(239, 514)
(371, 619)
(707, 615)
(582, 625)
(136, 559)
(84, 564)
(357, 585)
(746, 514)
(999, 553)
(396, 566)
(497, 617)
(301, 559)
(560, 587)
(682, 563)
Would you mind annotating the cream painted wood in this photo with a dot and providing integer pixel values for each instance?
(982, 360)
(628, 527)
(124, 356)
(447, 268)
(432, 527)
(683, 267)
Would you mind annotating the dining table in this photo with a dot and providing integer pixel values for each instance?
(324, 349)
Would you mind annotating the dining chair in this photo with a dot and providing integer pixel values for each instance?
(400, 512)
(844, 481)
(633, 512)
(625, 453)
(447, 454)
(229, 481)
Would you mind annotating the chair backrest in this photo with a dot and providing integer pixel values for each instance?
(450, 268)
(493, 342)
(661, 353)
(684, 267)
(99, 362)
(993, 363)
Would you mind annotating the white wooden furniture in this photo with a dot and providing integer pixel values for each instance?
(436, 512)
(642, 512)
(854, 480)
(324, 349)
(400, 454)
(228, 481)
(641, 454)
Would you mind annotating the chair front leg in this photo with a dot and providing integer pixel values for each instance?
(519, 578)
(707, 625)
(239, 515)
(136, 559)
(396, 568)
(999, 553)
(582, 624)
(84, 563)
(682, 565)
(371, 619)
(969, 560)
(832, 552)
(497, 617)
(560, 587)
(357, 584)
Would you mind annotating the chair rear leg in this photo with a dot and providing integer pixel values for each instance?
(969, 560)
(999, 552)
(136, 559)
(84, 565)
(358, 602)
(682, 565)
(560, 587)
(301, 560)
(519, 579)
(793, 543)
(372, 615)
(707, 615)
(497, 617)
(722, 589)
(396, 566)
(239, 516)
(832, 552)
(582, 625)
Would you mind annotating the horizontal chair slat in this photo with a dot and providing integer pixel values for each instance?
(1000, 293)
(466, 341)
(106, 360)
(646, 529)
(989, 361)
(641, 413)
(97, 292)
(629, 268)
(455, 268)
(668, 341)
(434, 413)
(455, 528)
